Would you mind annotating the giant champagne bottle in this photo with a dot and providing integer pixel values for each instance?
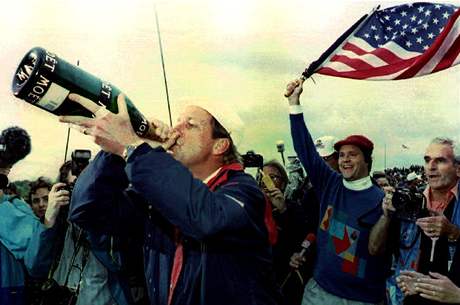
(45, 80)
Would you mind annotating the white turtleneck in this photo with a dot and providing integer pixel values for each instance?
(358, 185)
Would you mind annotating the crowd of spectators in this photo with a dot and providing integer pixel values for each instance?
(181, 223)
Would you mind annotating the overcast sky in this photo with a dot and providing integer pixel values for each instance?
(240, 53)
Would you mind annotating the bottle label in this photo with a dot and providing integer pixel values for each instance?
(106, 94)
(39, 89)
(53, 98)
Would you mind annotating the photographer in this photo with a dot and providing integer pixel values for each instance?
(38, 200)
(277, 174)
(38, 196)
(79, 274)
(436, 237)
(18, 222)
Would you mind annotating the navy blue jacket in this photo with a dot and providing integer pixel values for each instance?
(227, 257)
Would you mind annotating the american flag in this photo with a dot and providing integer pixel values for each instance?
(395, 43)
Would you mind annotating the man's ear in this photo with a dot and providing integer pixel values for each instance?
(220, 146)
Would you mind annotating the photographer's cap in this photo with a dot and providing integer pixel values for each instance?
(413, 176)
(325, 145)
(225, 115)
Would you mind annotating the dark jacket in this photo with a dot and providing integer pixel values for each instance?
(227, 257)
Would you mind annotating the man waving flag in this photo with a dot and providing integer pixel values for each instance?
(395, 43)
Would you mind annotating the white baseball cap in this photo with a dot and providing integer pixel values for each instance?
(224, 114)
(412, 176)
(325, 145)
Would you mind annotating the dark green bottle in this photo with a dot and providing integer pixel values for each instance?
(45, 80)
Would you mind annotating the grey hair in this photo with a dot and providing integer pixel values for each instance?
(451, 143)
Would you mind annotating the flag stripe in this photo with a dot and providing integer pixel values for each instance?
(388, 76)
(379, 71)
(449, 57)
(382, 54)
(371, 59)
(339, 66)
(355, 63)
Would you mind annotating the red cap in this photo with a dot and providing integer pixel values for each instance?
(361, 141)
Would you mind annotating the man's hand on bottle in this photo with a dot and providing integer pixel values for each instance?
(112, 132)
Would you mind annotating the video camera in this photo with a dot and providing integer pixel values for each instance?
(409, 204)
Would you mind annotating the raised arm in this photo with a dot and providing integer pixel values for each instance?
(317, 169)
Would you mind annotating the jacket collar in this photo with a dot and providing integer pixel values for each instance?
(221, 175)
